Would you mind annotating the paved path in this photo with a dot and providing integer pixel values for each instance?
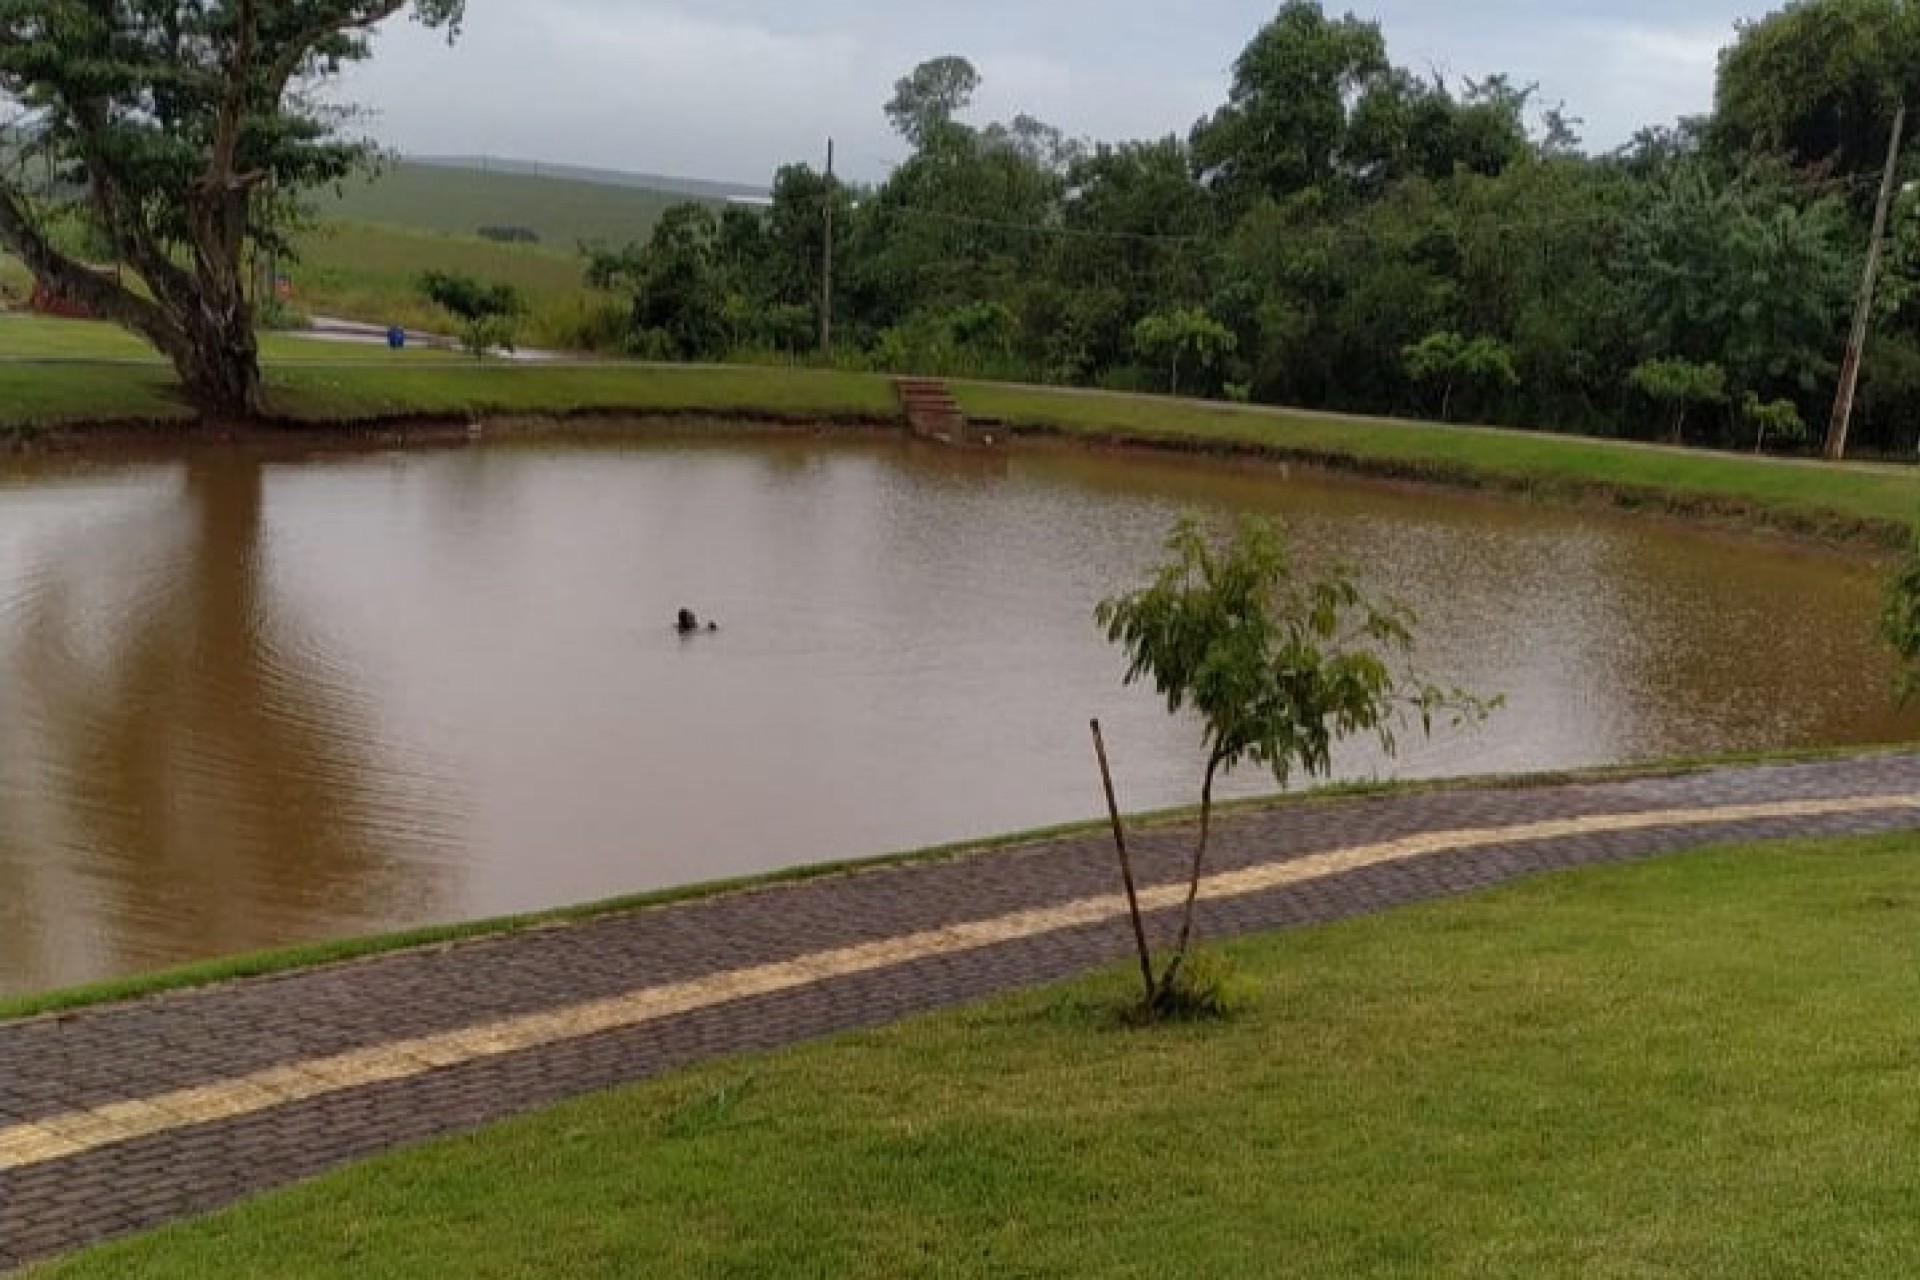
(126, 1117)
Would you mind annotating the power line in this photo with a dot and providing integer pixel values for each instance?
(1040, 229)
(1339, 231)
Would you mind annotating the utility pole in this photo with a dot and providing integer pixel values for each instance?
(826, 267)
(1863, 317)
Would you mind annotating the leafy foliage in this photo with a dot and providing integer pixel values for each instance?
(1448, 360)
(926, 101)
(1277, 666)
(1777, 420)
(1286, 122)
(486, 311)
(1680, 385)
(168, 123)
(1188, 336)
(1817, 82)
(677, 284)
(1365, 238)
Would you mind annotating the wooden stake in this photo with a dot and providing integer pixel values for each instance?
(1126, 864)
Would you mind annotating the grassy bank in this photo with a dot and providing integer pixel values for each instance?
(1798, 493)
(1854, 502)
(321, 385)
(1595, 1074)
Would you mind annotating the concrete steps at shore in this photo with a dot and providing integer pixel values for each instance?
(932, 413)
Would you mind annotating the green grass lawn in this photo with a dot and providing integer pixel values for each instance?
(1703, 1067)
(313, 382)
(322, 394)
(325, 387)
(1881, 493)
(29, 337)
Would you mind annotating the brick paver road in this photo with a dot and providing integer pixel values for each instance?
(126, 1117)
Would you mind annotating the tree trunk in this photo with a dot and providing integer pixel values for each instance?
(220, 370)
(199, 321)
(1193, 880)
(1176, 374)
(1679, 425)
(1446, 402)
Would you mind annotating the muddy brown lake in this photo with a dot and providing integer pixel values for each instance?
(248, 700)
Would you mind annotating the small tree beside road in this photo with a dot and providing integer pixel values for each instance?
(1188, 337)
(486, 311)
(1679, 386)
(1450, 361)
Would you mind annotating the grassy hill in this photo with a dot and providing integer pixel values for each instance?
(690, 188)
(564, 211)
(378, 233)
(368, 271)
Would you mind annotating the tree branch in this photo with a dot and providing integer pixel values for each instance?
(282, 71)
(132, 238)
(73, 280)
(224, 155)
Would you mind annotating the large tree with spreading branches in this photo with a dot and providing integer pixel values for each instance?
(164, 127)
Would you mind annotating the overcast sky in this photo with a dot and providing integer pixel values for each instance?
(731, 89)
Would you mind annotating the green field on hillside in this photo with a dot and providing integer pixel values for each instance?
(363, 271)
(370, 272)
(376, 235)
(565, 213)
(1596, 1074)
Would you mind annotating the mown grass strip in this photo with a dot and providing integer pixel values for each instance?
(1463, 454)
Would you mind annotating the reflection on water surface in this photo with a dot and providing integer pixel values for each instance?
(246, 702)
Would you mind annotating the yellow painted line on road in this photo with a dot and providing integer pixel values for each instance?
(78, 1132)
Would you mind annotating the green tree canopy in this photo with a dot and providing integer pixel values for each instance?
(1285, 123)
(928, 98)
(486, 311)
(1746, 274)
(1448, 360)
(1679, 386)
(1818, 82)
(1187, 337)
(168, 120)
(1773, 420)
(678, 287)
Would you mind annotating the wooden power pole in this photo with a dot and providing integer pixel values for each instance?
(1863, 316)
(826, 267)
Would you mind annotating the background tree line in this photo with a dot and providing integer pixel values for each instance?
(1343, 233)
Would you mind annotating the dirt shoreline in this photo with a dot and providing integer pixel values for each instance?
(138, 437)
